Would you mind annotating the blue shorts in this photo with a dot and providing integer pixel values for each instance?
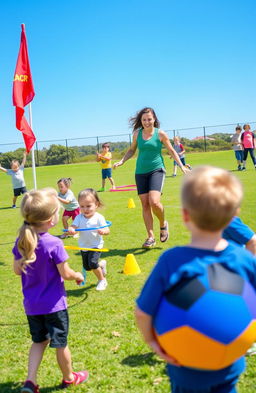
(19, 191)
(52, 326)
(90, 259)
(239, 155)
(107, 172)
(182, 160)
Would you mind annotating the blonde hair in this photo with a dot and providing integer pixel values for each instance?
(37, 208)
(212, 197)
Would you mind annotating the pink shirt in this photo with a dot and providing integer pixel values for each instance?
(247, 138)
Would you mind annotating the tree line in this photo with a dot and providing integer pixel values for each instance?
(58, 154)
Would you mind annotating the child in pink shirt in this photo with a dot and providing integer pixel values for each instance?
(248, 141)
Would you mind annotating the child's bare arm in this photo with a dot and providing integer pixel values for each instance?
(103, 231)
(69, 274)
(64, 201)
(144, 323)
(2, 169)
(24, 158)
(16, 267)
(72, 229)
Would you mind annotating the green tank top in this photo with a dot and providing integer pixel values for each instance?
(149, 157)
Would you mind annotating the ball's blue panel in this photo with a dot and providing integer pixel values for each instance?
(249, 296)
(185, 293)
(169, 317)
(219, 315)
(222, 279)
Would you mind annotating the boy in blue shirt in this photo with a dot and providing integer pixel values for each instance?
(210, 199)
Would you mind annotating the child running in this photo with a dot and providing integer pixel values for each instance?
(210, 198)
(106, 172)
(179, 148)
(89, 202)
(41, 261)
(67, 198)
(238, 148)
(17, 174)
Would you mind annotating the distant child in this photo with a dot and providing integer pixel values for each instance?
(17, 174)
(248, 141)
(179, 148)
(67, 198)
(238, 147)
(210, 197)
(41, 261)
(89, 202)
(105, 158)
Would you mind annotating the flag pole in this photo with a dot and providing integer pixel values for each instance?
(32, 150)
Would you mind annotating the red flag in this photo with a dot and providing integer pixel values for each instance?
(23, 91)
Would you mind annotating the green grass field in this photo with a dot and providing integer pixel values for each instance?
(103, 337)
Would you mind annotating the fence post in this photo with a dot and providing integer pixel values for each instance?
(130, 139)
(37, 154)
(204, 140)
(174, 134)
(98, 145)
(67, 150)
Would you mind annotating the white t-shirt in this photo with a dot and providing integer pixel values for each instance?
(90, 239)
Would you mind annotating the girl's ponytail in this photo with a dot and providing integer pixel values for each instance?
(37, 208)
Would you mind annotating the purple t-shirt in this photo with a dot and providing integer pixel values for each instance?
(42, 286)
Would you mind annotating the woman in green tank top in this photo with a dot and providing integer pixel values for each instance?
(150, 170)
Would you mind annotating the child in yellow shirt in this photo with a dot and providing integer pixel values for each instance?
(106, 167)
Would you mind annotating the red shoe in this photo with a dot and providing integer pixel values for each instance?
(80, 377)
(29, 387)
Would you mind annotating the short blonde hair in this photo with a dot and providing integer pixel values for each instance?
(37, 207)
(211, 196)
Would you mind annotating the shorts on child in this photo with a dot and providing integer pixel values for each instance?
(52, 326)
(72, 213)
(90, 259)
(107, 172)
(19, 191)
(225, 387)
(151, 181)
(239, 155)
(182, 160)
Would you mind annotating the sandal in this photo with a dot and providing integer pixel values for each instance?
(149, 243)
(164, 236)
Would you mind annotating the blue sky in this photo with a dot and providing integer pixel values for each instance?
(95, 63)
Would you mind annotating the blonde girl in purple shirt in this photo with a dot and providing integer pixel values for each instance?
(41, 261)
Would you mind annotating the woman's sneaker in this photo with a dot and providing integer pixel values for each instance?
(103, 265)
(80, 377)
(102, 285)
(29, 387)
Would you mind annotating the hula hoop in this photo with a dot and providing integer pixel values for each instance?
(109, 223)
(123, 189)
(87, 249)
(127, 186)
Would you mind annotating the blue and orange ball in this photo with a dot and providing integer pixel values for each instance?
(209, 321)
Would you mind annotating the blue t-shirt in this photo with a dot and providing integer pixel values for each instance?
(164, 275)
(238, 232)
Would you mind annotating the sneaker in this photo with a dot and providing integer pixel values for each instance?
(103, 265)
(80, 377)
(251, 351)
(149, 243)
(102, 285)
(29, 387)
(174, 175)
(239, 168)
(243, 168)
(63, 236)
(102, 189)
(13, 206)
(76, 236)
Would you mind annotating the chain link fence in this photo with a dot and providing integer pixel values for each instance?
(56, 151)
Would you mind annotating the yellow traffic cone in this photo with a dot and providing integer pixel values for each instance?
(131, 266)
(131, 204)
